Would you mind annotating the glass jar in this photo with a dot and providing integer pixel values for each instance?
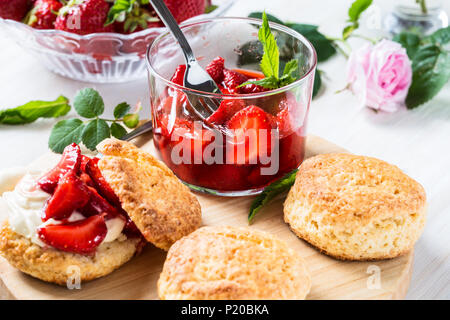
(215, 156)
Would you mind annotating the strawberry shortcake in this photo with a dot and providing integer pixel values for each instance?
(94, 213)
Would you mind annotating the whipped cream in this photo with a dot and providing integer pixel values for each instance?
(25, 205)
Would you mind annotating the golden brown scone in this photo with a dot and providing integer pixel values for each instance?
(160, 205)
(228, 263)
(355, 208)
(53, 265)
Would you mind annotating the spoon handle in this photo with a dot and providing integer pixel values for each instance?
(146, 127)
(170, 22)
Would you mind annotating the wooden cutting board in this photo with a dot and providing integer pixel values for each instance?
(331, 279)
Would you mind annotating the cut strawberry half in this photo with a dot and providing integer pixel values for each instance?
(70, 195)
(70, 161)
(178, 76)
(81, 237)
(215, 69)
(98, 205)
(248, 125)
(232, 80)
(100, 183)
(225, 111)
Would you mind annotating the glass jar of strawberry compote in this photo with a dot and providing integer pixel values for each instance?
(254, 135)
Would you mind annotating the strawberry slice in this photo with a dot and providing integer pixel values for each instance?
(98, 205)
(178, 76)
(100, 183)
(70, 194)
(227, 108)
(70, 161)
(81, 237)
(233, 79)
(255, 119)
(215, 69)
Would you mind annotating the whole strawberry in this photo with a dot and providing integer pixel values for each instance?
(84, 17)
(185, 9)
(14, 9)
(43, 14)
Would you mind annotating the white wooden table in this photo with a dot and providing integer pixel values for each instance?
(417, 141)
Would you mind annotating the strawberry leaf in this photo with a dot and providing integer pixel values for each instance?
(64, 133)
(95, 132)
(88, 103)
(117, 130)
(121, 110)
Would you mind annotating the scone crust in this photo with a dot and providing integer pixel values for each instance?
(355, 207)
(160, 205)
(53, 265)
(228, 263)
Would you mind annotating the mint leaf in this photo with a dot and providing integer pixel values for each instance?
(95, 132)
(210, 8)
(269, 83)
(358, 7)
(88, 103)
(259, 15)
(121, 110)
(64, 133)
(120, 7)
(270, 192)
(34, 110)
(117, 130)
(324, 47)
(131, 120)
(271, 59)
(317, 83)
(431, 71)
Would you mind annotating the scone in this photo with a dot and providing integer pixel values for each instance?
(355, 207)
(81, 214)
(228, 263)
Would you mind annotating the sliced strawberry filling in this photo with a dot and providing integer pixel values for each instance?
(77, 184)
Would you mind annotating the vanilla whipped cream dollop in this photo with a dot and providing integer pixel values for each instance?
(25, 205)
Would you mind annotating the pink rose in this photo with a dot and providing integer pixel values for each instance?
(380, 75)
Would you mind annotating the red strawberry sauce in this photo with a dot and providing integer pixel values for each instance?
(199, 151)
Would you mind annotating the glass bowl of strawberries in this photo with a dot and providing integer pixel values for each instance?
(237, 142)
(100, 41)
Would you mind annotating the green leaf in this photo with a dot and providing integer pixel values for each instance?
(317, 83)
(410, 41)
(121, 110)
(117, 130)
(271, 59)
(64, 133)
(348, 30)
(324, 47)
(290, 67)
(118, 8)
(131, 120)
(358, 7)
(441, 36)
(210, 8)
(270, 192)
(34, 110)
(431, 71)
(259, 15)
(95, 132)
(88, 103)
(269, 83)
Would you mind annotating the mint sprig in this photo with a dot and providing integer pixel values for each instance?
(34, 110)
(93, 129)
(270, 192)
(270, 61)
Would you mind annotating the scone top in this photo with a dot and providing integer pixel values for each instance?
(162, 207)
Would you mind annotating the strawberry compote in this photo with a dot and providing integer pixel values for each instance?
(255, 136)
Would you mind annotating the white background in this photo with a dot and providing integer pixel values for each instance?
(417, 141)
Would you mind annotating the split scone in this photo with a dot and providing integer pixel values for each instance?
(228, 263)
(94, 214)
(355, 207)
